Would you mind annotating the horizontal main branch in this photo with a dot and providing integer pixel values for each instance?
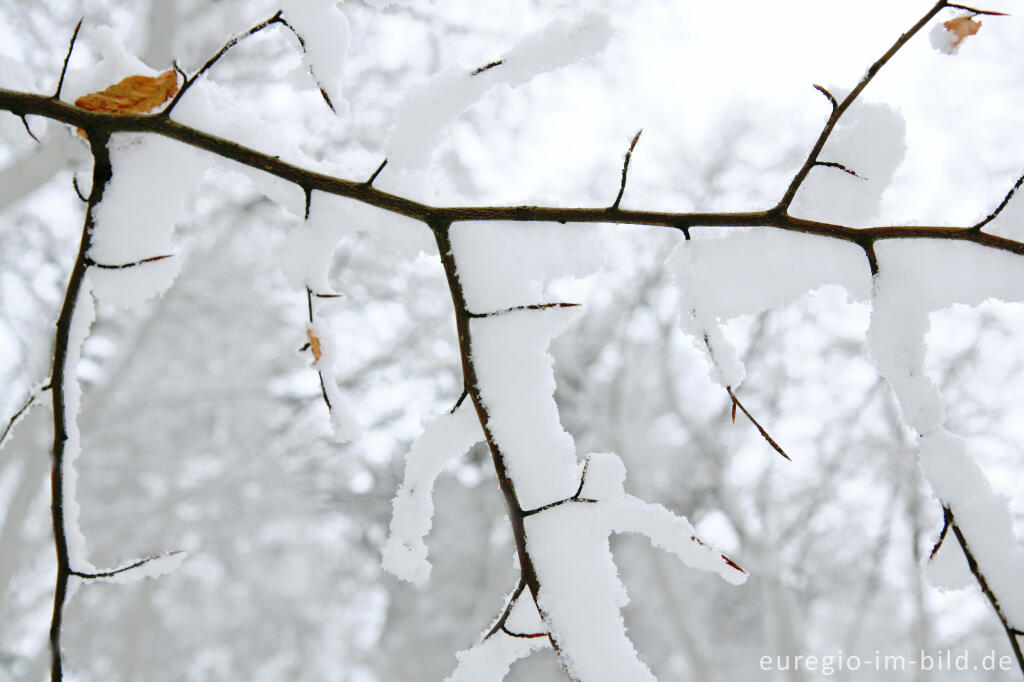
(25, 104)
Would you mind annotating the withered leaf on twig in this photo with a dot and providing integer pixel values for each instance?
(132, 95)
(961, 27)
(314, 344)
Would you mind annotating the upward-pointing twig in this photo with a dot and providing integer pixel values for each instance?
(999, 209)
(67, 58)
(625, 169)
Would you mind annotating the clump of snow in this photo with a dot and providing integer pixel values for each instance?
(344, 421)
(145, 198)
(748, 272)
(502, 265)
(325, 35)
(430, 107)
(581, 594)
(447, 436)
(943, 40)
(869, 140)
(516, 383)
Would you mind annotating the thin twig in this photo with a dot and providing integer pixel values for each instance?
(21, 410)
(764, 434)
(458, 403)
(836, 164)
(500, 623)
(189, 82)
(24, 122)
(575, 497)
(67, 58)
(78, 190)
(534, 306)
(122, 266)
(972, 10)
(947, 521)
(625, 169)
(487, 67)
(831, 98)
(123, 569)
(312, 71)
(999, 209)
(523, 635)
(369, 182)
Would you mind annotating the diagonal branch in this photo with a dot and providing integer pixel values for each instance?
(999, 209)
(841, 108)
(189, 82)
(972, 563)
(764, 434)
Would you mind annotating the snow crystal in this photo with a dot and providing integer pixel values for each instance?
(943, 39)
(428, 108)
(136, 218)
(325, 33)
(447, 436)
(344, 421)
(752, 271)
(869, 140)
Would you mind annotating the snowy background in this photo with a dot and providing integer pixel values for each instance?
(203, 428)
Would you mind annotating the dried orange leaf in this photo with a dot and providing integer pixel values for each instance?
(314, 344)
(961, 27)
(133, 95)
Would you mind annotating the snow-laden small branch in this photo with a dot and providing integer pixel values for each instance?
(430, 107)
(446, 436)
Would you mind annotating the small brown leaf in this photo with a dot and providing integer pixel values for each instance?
(314, 344)
(962, 27)
(133, 95)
